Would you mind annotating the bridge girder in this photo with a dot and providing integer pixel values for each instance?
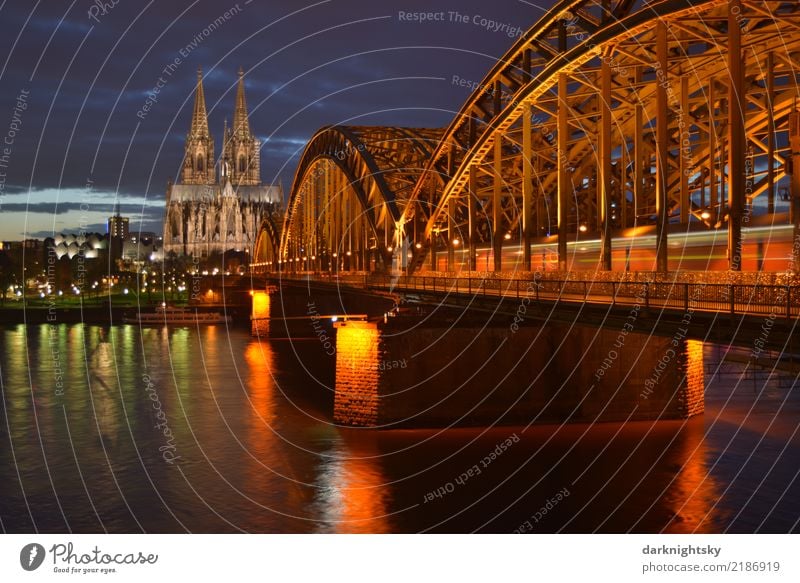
(348, 194)
(605, 115)
(267, 248)
(593, 69)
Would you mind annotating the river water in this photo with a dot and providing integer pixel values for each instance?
(122, 429)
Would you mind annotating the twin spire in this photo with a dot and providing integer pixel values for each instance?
(240, 160)
(241, 119)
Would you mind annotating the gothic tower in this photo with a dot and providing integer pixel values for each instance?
(199, 162)
(241, 150)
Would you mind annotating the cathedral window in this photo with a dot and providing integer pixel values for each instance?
(242, 164)
(200, 163)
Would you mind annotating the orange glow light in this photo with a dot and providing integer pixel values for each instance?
(260, 305)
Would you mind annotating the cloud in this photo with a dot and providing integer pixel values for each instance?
(54, 208)
(87, 80)
(143, 226)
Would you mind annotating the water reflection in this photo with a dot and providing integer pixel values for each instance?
(353, 492)
(102, 384)
(261, 418)
(694, 491)
(259, 451)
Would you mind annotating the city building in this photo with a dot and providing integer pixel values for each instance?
(118, 226)
(118, 229)
(85, 245)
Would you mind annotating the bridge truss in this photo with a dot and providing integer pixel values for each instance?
(350, 188)
(267, 243)
(608, 118)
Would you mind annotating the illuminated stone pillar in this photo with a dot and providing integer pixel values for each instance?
(260, 314)
(357, 379)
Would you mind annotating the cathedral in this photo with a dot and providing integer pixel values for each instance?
(205, 214)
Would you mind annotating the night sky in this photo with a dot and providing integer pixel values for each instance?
(81, 134)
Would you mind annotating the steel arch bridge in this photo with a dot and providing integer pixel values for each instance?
(349, 191)
(268, 242)
(614, 134)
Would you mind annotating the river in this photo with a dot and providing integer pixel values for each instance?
(122, 429)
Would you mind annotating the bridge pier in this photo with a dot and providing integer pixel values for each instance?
(260, 314)
(439, 375)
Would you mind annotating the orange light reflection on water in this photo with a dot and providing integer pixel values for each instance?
(353, 491)
(693, 496)
(694, 492)
(259, 359)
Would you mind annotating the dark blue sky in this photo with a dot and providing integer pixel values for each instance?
(88, 70)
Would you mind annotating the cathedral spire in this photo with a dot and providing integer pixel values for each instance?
(198, 162)
(241, 149)
(241, 123)
(199, 116)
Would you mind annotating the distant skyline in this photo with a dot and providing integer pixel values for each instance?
(108, 89)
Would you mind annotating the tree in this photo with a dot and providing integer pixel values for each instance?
(6, 275)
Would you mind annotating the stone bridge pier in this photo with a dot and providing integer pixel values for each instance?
(411, 372)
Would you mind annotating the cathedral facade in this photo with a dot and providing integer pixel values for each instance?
(217, 205)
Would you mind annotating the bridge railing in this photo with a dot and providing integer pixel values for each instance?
(772, 301)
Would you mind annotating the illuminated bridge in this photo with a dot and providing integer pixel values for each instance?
(616, 138)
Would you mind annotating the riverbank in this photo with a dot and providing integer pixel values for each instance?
(100, 314)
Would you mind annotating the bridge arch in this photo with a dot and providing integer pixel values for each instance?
(267, 248)
(618, 117)
(348, 194)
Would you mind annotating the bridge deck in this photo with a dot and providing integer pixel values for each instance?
(771, 301)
